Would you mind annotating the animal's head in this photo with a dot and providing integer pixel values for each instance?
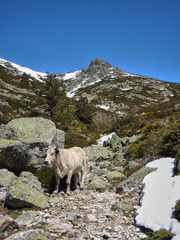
(51, 154)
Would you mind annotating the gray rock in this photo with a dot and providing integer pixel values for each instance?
(90, 218)
(26, 191)
(7, 224)
(29, 218)
(132, 164)
(115, 176)
(98, 184)
(120, 160)
(95, 152)
(78, 234)
(114, 142)
(25, 141)
(31, 234)
(71, 216)
(6, 177)
(134, 180)
(125, 205)
(59, 225)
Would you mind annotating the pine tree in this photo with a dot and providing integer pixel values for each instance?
(53, 90)
(84, 111)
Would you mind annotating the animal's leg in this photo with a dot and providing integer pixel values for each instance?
(68, 181)
(57, 172)
(82, 178)
(76, 178)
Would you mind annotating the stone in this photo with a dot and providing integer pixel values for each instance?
(135, 180)
(71, 216)
(31, 234)
(132, 165)
(98, 184)
(90, 218)
(95, 152)
(59, 225)
(26, 191)
(114, 142)
(24, 142)
(120, 160)
(115, 176)
(29, 218)
(125, 205)
(6, 177)
(7, 224)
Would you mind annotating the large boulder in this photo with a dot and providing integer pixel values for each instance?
(135, 180)
(96, 152)
(26, 191)
(23, 143)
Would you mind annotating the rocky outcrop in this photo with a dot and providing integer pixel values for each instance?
(24, 141)
(97, 66)
(26, 191)
(95, 152)
(117, 142)
(135, 180)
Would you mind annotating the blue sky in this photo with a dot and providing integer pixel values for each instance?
(138, 36)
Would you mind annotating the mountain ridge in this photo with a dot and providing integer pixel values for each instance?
(105, 87)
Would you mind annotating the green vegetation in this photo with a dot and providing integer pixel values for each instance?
(84, 111)
(160, 235)
(177, 164)
(159, 138)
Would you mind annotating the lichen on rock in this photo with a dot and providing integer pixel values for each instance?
(26, 191)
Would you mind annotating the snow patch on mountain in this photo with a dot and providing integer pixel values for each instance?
(21, 69)
(71, 75)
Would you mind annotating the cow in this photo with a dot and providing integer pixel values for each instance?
(67, 162)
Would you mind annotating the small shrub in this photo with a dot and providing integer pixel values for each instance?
(160, 235)
(176, 164)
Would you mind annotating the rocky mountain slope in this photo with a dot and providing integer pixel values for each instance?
(104, 86)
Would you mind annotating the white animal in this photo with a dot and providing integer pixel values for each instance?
(67, 162)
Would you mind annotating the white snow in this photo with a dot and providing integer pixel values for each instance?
(161, 192)
(71, 75)
(37, 75)
(73, 92)
(126, 89)
(103, 106)
(105, 138)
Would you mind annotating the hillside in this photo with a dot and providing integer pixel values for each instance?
(104, 86)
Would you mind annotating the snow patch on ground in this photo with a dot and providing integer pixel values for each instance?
(160, 194)
(103, 106)
(105, 138)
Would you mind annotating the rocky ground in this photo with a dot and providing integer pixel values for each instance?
(105, 209)
(86, 214)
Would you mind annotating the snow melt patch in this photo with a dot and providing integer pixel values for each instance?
(105, 138)
(103, 106)
(161, 192)
(71, 75)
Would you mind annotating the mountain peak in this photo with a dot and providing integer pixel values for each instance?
(98, 61)
(97, 66)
